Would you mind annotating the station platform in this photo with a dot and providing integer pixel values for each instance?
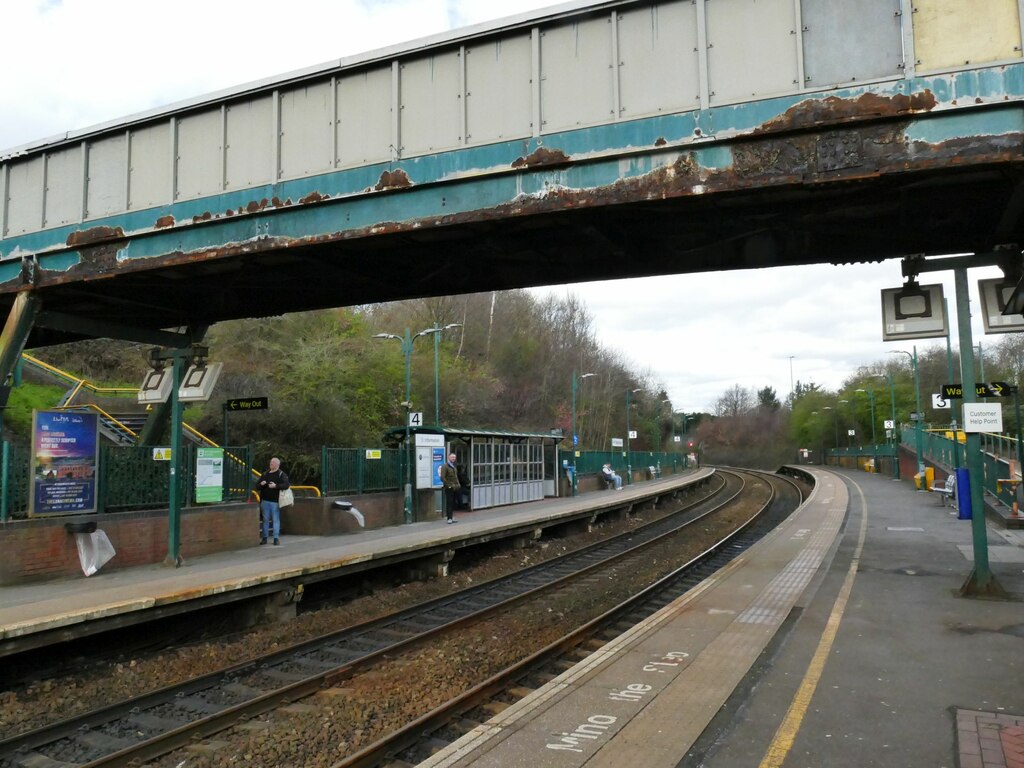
(840, 639)
(39, 614)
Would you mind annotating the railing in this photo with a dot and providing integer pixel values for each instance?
(591, 461)
(79, 384)
(358, 470)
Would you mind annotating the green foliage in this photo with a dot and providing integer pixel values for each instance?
(23, 400)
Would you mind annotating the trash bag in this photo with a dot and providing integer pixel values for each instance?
(94, 550)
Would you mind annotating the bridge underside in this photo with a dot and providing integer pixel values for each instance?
(803, 195)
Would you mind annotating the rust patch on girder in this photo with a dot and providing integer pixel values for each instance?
(277, 202)
(254, 206)
(165, 221)
(396, 179)
(94, 235)
(205, 216)
(540, 158)
(660, 141)
(832, 109)
(313, 197)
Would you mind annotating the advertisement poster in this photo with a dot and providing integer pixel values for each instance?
(64, 464)
(209, 475)
(428, 448)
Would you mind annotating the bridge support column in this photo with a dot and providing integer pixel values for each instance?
(15, 333)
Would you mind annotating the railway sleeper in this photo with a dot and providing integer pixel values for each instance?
(39, 760)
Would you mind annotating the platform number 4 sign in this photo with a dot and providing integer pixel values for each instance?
(415, 419)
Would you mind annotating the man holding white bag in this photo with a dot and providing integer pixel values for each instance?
(270, 485)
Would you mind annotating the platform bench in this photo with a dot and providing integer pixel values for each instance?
(655, 473)
(946, 491)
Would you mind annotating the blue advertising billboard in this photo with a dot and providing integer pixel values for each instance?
(64, 462)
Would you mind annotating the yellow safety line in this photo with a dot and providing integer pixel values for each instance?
(782, 743)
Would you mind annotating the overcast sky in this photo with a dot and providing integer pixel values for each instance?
(70, 64)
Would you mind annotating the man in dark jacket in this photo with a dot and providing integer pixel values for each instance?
(449, 475)
(269, 486)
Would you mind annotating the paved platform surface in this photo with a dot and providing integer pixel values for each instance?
(840, 640)
(45, 606)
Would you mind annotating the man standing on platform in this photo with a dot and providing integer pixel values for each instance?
(449, 475)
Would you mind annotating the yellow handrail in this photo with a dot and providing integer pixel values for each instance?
(80, 383)
(100, 411)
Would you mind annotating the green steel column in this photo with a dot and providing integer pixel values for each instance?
(573, 439)
(980, 581)
(15, 332)
(407, 352)
(174, 517)
(4, 460)
(953, 404)
(918, 436)
(895, 441)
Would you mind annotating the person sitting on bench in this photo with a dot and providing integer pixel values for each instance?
(610, 477)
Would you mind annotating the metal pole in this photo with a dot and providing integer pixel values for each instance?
(980, 581)
(1020, 448)
(895, 442)
(4, 460)
(407, 352)
(871, 398)
(629, 464)
(437, 385)
(574, 437)
(176, 468)
(919, 438)
(953, 405)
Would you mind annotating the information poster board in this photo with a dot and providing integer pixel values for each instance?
(428, 448)
(63, 462)
(209, 475)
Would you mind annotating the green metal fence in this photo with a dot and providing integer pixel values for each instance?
(591, 461)
(357, 470)
(129, 478)
(14, 481)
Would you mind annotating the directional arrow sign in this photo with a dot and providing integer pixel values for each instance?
(994, 389)
(999, 389)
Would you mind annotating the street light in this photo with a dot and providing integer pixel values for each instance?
(835, 419)
(575, 438)
(406, 343)
(918, 440)
(629, 458)
(437, 387)
(673, 421)
(871, 398)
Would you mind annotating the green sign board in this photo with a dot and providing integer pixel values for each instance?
(209, 475)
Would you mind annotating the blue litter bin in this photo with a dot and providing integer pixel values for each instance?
(963, 494)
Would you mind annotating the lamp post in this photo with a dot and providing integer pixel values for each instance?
(575, 438)
(835, 423)
(871, 399)
(918, 439)
(406, 343)
(629, 458)
(437, 386)
(673, 421)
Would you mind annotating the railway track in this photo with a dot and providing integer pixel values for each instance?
(420, 739)
(146, 727)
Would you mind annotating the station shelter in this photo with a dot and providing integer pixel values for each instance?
(499, 467)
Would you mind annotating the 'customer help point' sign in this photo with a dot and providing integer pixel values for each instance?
(983, 417)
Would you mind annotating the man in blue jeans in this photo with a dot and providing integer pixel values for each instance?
(269, 486)
(611, 476)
